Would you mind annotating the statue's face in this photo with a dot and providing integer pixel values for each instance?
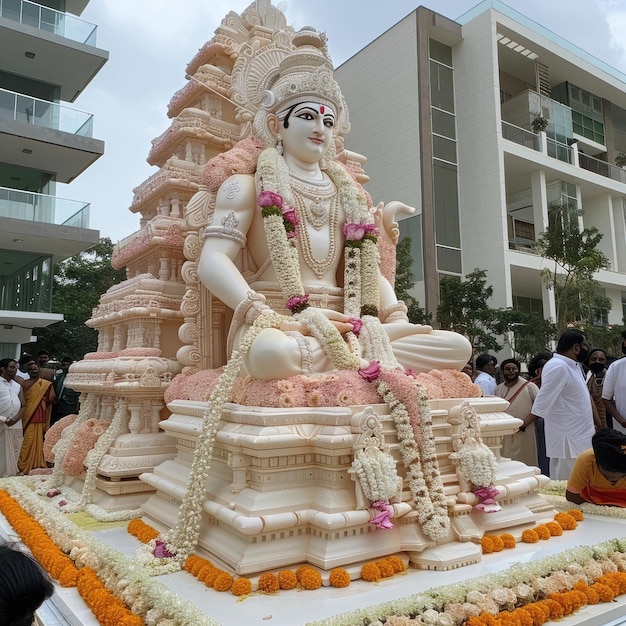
(309, 131)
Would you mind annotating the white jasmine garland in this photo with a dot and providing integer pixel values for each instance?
(477, 463)
(377, 474)
(420, 461)
(376, 343)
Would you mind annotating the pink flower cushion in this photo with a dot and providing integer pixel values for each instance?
(54, 434)
(82, 442)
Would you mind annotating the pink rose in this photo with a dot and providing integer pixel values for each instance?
(62, 502)
(289, 215)
(371, 372)
(269, 198)
(161, 551)
(298, 303)
(354, 232)
(357, 324)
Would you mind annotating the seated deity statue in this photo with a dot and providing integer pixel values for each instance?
(312, 289)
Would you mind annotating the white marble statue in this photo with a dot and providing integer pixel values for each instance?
(310, 240)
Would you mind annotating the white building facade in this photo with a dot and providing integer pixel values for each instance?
(444, 110)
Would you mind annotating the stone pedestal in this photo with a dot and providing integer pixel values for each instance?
(280, 491)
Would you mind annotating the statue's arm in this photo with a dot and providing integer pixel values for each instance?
(224, 238)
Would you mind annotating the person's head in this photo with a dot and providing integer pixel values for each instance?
(573, 344)
(486, 363)
(596, 360)
(23, 587)
(510, 369)
(66, 361)
(8, 368)
(609, 448)
(24, 359)
(32, 368)
(537, 362)
(43, 356)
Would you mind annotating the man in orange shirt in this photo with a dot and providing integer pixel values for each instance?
(599, 474)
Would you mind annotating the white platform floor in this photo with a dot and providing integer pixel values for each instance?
(297, 608)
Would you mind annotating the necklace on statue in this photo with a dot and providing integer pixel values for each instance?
(316, 204)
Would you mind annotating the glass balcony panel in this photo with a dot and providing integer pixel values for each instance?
(37, 207)
(49, 20)
(22, 108)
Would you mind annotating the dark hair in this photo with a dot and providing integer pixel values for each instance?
(4, 363)
(568, 339)
(25, 358)
(596, 350)
(538, 361)
(485, 359)
(609, 447)
(42, 352)
(23, 587)
(507, 361)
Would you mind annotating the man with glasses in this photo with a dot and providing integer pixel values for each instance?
(565, 404)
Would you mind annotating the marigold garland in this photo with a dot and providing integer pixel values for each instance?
(144, 532)
(577, 514)
(339, 578)
(287, 580)
(311, 579)
(268, 583)
(103, 604)
(543, 532)
(241, 587)
(385, 568)
(370, 572)
(566, 521)
(223, 582)
(530, 536)
(555, 529)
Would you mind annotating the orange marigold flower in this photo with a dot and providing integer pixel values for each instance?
(508, 540)
(370, 572)
(605, 593)
(268, 583)
(223, 582)
(386, 569)
(311, 579)
(564, 600)
(538, 613)
(287, 580)
(209, 575)
(498, 544)
(543, 532)
(530, 536)
(339, 577)
(524, 618)
(69, 576)
(241, 587)
(397, 563)
(554, 528)
(566, 521)
(556, 610)
(301, 570)
(611, 582)
(486, 544)
(577, 514)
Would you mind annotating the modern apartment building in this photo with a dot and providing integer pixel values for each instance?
(446, 113)
(48, 56)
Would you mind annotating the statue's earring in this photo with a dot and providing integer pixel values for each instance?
(279, 145)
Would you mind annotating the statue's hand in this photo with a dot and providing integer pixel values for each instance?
(395, 330)
(337, 319)
(385, 218)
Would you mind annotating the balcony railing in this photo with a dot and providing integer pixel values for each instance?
(562, 152)
(22, 108)
(37, 207)
(49, 20)
(602, 167)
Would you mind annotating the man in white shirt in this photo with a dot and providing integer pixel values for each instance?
(11, 409)
(564, 403)
(486, 366)
(614, 393)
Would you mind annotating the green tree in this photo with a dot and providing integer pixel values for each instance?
(463, 308)
(78, 284)
(527, 333)
(576, 258)
(405, 279)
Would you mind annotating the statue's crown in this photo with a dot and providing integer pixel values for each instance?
(305, 75)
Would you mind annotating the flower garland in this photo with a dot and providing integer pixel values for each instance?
(128, 581)
(178, 544)
(417, 449)
(62, 446)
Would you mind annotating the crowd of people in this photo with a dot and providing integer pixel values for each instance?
(572, 407)
(33, 396)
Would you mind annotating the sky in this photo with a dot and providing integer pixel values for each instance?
(150, 43)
